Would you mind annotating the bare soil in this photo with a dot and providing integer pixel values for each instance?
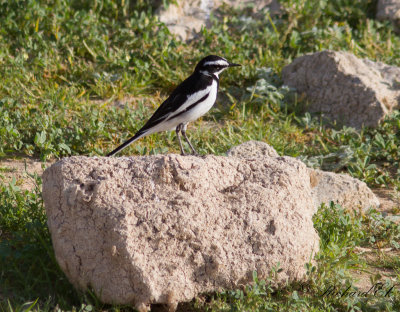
(21, 169)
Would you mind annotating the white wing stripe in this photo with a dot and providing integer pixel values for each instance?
(191, 100)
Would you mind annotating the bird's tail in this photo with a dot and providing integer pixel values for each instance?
(137, 136)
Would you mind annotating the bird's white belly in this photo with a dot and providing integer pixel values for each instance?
(191, 115)
(202, 108)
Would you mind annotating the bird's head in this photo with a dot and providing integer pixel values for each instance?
(213, 65)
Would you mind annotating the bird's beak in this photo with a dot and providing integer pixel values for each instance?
(233, 65)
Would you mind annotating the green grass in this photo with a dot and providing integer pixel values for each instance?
(65, 64)
(62, 72)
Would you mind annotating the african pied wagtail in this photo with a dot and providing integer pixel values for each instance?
(190, 100)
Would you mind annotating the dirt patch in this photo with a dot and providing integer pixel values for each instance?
(389, 199)
(21, 169)
(381, 263)
(381, 266)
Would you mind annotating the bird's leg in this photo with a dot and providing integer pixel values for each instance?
(178, 129)
(187, 140)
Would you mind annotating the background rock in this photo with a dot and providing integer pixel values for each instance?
(389, 10)
(188, 17)
(341, 189)
(162, 229)
(345, 88)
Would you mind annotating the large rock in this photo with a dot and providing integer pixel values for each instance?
(162, 229)
(344, 88)
(187, 17)
(389, 10)
(326, 187)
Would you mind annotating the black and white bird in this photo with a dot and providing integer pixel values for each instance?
(190, 100)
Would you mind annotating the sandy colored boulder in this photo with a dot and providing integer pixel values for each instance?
(187, 17)
(344, 88)
(165, 228)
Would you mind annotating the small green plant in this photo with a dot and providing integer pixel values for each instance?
(29, 275)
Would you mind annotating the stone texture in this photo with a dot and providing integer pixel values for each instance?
(188, 17)
(389, 10)
(352, 91)
(162, 229)
(252, 149)
(341, 189)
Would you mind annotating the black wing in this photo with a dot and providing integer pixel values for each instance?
(177, 98)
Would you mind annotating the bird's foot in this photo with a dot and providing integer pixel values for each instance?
(191, 154)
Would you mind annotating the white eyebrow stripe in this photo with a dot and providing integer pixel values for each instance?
(219, 62)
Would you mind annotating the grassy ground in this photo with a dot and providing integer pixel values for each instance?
(80, 78)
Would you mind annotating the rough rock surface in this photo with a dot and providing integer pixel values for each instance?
(162, 229)
(188, 17)
(389, 10)
(252, 149)
(344, 88)
(341, 189)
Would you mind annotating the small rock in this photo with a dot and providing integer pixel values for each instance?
(186, 18)
(389, 10)
(344, 88)
(341, 189)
